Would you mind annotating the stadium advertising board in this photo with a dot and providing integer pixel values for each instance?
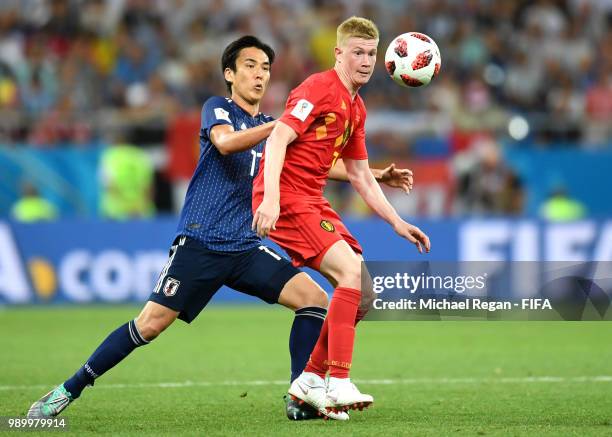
(97, 261)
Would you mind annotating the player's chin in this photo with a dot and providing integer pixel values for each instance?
(254, 97)
(257, 93)
(362, 78)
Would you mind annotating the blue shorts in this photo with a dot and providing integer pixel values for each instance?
(193, 274)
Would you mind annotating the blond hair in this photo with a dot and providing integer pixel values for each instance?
(356, 27)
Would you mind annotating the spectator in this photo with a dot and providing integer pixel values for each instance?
(489, 187)
(599, 109)
(32, 207)
(127, 183)
(134, 68)
(559, 207)
(8, 88)
(183, 149)
(74, 71)
(506, 52)
(37, 78)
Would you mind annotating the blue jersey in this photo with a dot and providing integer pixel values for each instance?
(217, 209)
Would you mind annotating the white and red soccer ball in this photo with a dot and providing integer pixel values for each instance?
(413, 59)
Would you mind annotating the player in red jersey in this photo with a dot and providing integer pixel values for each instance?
(323, 121)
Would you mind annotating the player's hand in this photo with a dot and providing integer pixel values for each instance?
(397, 178)
(414, 235)
(264, 219)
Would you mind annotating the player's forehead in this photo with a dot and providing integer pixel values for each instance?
(252, 54)
(362, 43)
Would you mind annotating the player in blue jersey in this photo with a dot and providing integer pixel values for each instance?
(214, 244)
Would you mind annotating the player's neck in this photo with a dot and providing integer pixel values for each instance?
(250, 108)
(346, 81)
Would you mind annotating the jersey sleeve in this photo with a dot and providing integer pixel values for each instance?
(356, 146)
(216, 110)
(304, 104)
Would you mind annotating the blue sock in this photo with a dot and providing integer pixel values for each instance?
(111, 351)
(304, 335)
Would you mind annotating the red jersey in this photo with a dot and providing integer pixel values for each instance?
(329, 124)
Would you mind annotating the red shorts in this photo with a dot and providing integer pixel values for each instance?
(306, 229)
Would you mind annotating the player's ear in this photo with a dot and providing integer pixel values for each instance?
(337, 53)
(228, 74)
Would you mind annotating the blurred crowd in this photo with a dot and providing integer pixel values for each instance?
(101, 71)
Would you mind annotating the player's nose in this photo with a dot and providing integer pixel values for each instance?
(259, 73)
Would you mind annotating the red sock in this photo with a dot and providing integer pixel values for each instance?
(341, 336)
(318, 358)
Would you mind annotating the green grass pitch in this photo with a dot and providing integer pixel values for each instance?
(224, 375)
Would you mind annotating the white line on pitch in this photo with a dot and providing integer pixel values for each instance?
(501, 380)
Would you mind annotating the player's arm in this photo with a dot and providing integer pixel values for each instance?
(229, 141)
(391, 176)
(267, 214)
(363, 181)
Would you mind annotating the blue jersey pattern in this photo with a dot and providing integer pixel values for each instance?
(217, 209)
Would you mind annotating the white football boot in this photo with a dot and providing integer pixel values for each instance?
(343, 395)
(310, 388)
(51, 404)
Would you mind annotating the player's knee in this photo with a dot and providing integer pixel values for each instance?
(150, 325)
(151, 328)
(303, 292)
(316, 298)
(350, 277)
(311, 295)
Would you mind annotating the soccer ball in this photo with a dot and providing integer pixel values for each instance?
(413, 59)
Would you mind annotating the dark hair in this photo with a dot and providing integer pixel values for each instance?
(231, 52)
